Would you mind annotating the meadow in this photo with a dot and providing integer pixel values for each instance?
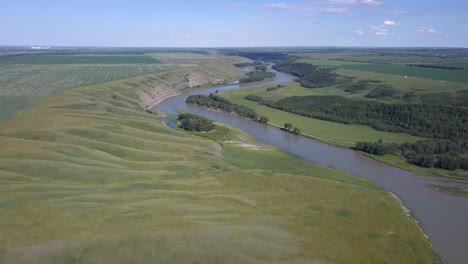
(88, 176)
(334, 133)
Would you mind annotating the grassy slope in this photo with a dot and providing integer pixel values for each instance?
(42, 75)
(89, 177)
(330, 132)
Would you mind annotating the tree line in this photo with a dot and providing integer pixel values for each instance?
(309, 75)
(434, 153)
(257, 76)
(437, 67)
(216, 102)
(431, 121)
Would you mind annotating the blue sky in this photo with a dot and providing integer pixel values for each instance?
(223, 23)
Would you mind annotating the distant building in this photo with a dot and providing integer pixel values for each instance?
(40, 48)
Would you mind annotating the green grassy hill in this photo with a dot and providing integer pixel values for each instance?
(89, 177)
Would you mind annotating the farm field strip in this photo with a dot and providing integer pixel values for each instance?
(40, 59)
(394, 69)
(35, 80)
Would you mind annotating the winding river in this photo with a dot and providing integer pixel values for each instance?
(443, 217)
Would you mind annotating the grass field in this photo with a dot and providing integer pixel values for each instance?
(330, 132)
(40, 80)
(395, 69)
(77, 59)
(453, 57)
(88, 176)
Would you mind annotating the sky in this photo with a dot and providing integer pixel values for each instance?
(235, 23)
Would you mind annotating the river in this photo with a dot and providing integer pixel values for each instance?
(443, 217)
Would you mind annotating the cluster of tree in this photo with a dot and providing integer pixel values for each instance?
(378, 148)
(269, 89)
(309, 75)
(431, 121)
(354, 87)
(382, 92)
(253, 98)
(291, 129)
(264, 56)
(351, 85)
(257, 76)
(437, 153)
(192, 122)
(436, 66)
(246, 64)
(261, 68)
(216, 102)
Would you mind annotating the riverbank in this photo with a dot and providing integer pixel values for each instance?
(336, 134)
(437, 207)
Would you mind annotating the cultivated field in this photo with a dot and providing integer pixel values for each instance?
(41, 80)
(395, 69)
(77, 59)
(107, 182)
(24, 79)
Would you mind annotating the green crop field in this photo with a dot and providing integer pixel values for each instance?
(40, 80)
(87, 176)
(403, 70)
(394, 69)
(77, 59)
(21, 85)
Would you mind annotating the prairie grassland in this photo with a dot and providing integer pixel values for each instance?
(89, 177)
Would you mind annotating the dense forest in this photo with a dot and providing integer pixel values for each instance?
(434, 153)
(216, 102)
(431, 121)
(196, 123)
(309, 75)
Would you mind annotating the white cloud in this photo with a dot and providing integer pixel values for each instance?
(380, 31)
(427, 31)
(173, 35)
(389, 23)
(371, 3)
(334, 10)
(359, 32)
(397, 12)
(278, 6)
